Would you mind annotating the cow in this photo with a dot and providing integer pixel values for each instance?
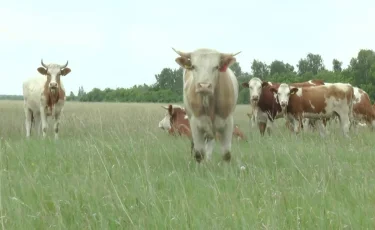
(44, 96)
(179, 123)
(165, 123)
(264, 104)
(210, 94)
(363, 111)
(317, 102)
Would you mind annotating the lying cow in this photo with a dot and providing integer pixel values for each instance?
(264, 104)
(179, 123)
(316, 103)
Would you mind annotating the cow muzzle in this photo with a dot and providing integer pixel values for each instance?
(255, 98)
(283, 104)
(205, 88)
(53, 85)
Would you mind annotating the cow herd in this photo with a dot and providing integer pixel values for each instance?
(210, 93)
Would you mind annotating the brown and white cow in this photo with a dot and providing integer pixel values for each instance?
(317, 102)
(264, 103)
(363, 111)
(165, 123)
(210, 95)
(179, 124)
(44, 96)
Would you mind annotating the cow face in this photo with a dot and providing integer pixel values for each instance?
(283, 93)
(165, 123)
(205, 66)
(255, 86)
(177, 115)
(53, 73)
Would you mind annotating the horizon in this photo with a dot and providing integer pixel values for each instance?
(122, 44)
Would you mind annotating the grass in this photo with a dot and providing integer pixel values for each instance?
(113, 168)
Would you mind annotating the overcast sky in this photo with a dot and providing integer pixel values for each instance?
(120, 43)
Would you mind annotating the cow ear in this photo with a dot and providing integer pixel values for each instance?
(42, 71)
(170, 110)
(293, 91)
(226, 62)
(65, 71)
(184, 62)
(264, 84)
(273, 90)
(245, 84)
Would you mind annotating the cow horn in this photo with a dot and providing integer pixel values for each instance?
(182, 54)
(228, 55)
(44, 65)
(62, 67)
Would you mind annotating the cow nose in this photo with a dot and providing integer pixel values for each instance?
(53, 84)
(255, 98)
(283, 104)
(205, 85)
(204, 88)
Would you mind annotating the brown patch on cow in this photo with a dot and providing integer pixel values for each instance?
(238, 133)
(52, 97)
(179, 124)
(364, 108)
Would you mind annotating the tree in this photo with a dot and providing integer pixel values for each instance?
(312, 63)
(260, 69)
(336, 65)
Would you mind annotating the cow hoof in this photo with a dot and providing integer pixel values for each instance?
(199, 155)
(227, 156)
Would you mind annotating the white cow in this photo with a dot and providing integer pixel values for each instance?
(210, 95)
(44, 96)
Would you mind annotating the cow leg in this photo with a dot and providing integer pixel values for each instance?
(57, 124)
(43, 117)
(345, 124)
(28, 121)
(226, 130)
(262, 127)
(198, 145)
(37, 123)
(269, 126)
(210, 143)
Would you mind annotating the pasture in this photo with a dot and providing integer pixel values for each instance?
(113, 168)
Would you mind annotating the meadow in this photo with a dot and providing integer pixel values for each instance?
(113, 168)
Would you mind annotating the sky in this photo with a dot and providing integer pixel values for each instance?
(120, 43)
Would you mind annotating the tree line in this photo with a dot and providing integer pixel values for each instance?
(168, 86)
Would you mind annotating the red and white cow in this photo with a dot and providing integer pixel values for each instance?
(44, 96)
(363, 111)
(264, 103)
(165, 123)
(317, 102)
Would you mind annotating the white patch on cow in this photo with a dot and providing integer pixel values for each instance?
(312, 106)
(310, 82)
(357, 95)
(255, 88)
(186, 117)
(270, 83)
(283, 94)
(299, 92)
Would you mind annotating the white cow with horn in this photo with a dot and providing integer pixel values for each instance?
(44, 96)
(210, 95)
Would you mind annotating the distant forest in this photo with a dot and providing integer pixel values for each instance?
(168, 86)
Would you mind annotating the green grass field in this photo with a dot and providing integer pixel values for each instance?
(113, 168)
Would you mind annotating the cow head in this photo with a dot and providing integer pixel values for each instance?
(177, 115)
(282, 94)
(205, 66)
(53, 73)
(165, 123)
(255, 86)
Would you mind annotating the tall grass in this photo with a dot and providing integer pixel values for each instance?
(113, 168)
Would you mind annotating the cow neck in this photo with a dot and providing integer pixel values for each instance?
(52, 97)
